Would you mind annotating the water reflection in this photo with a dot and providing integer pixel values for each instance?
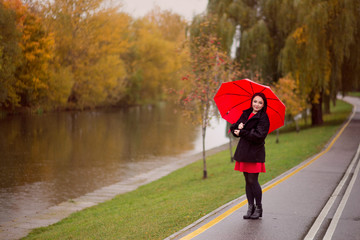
(45, 160)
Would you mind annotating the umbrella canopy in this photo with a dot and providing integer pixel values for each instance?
(234, 97)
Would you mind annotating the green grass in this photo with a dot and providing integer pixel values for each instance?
(163, 207)
(354, 94)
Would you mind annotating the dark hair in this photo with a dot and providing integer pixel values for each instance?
(260, 94)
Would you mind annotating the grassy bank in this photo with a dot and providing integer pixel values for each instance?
(158, 209)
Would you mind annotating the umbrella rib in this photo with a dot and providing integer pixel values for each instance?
(251, 88)
(242, 88)
(275, 111)
(237, 105)
(263, 90)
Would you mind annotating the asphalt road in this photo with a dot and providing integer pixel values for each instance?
(319, 199)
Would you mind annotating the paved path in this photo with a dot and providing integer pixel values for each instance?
(318, 199)
(22, 226)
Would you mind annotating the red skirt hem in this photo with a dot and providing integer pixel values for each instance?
(250, 167)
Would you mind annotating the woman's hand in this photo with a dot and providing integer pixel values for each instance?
(237, 132)
(241, 126)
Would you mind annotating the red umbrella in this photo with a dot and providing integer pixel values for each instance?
(233, 98)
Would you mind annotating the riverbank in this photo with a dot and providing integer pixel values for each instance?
(20, 227)
(167, 205)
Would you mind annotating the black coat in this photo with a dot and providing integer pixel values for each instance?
(251, 146)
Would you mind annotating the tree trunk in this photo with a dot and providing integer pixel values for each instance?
(230, 149)
(316, 114)
(297, 126)
(204, 157)
(327, 104)
(333, 99)
(228, 134)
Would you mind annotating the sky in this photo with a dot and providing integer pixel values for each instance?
(185, 8)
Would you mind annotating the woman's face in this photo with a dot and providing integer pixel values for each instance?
(257, 103)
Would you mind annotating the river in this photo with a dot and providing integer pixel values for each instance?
(50, 158)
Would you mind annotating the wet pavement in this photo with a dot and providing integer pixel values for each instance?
(319, 199)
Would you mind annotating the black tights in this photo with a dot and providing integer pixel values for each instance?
(253, 188)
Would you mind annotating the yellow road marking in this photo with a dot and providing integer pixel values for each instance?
(241, 204)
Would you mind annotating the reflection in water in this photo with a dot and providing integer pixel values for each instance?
(45, 160)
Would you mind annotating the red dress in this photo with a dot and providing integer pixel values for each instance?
(250, 167)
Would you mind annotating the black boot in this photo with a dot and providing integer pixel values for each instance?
(251, 209)
(257, 213)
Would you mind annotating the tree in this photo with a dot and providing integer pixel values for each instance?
(262, 27)
(37, 51)
(287, 90)
(89, 40)
(155, 62)
(171, 26)
(9, 56)
(350, 69)
(31, 71)
(315, 51)
(209, 67)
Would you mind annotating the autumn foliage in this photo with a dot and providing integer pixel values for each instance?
(84, 54)
(287, 90)
(31, 66)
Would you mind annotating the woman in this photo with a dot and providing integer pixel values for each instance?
(252, 128)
